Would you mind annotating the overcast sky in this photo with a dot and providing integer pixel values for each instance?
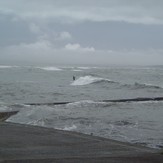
(124, 32)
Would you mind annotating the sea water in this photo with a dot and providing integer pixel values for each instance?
(135, 122)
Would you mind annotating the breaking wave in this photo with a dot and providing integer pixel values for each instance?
(50, 68)
(85, 68)
(77, 70)
(137, 85)
(147, 85)
(69, 128)
(90, 80)
(4, 67)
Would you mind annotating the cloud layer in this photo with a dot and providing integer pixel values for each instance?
(80, 31)
(144, 11)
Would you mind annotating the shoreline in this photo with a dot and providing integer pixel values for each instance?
(25, 143)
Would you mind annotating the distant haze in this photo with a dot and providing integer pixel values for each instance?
(104, 32)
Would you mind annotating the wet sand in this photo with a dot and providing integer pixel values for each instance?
(25, 143)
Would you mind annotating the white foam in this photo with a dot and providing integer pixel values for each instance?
(50, 68)
(77, 70)
(4, 108)
(70, 128)
(78, 103)
(87, 68)
(3, 66)
(85, 104)
(84, 68)
(88, 80)
(151, 85)
(31, 115)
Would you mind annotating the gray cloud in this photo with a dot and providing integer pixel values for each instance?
(13, 31)
(44, 52)
(80, 31)
(144, 11)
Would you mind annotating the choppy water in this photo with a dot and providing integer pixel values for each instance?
(136, 122)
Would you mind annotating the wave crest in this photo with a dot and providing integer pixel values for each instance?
(137, 85)
(145, 85)
(90, 80)
(6, 67)
(50, 68)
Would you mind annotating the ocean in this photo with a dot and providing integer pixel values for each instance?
(134, 122)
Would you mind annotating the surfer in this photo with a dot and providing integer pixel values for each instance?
(73, 77)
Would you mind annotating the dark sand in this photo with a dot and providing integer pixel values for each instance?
(6, 115)
(29, 144)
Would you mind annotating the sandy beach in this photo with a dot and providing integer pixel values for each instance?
(25, 143)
